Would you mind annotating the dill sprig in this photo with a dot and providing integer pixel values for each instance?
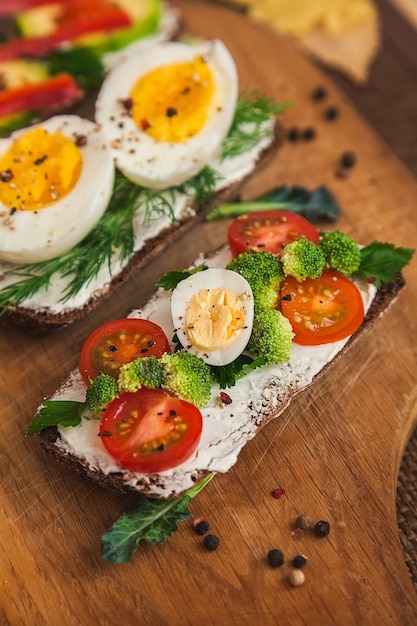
(250, 123)
(113, 236)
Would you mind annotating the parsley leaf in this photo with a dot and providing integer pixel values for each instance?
(227, 375)
(153, 520)
(313, 205)
(82, 63)
(382, 262)
(171, 279)
(56, 413)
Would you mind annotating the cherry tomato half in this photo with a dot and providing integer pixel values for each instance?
(119, 342)
(268, 231)
(323, 310)
(150, 431)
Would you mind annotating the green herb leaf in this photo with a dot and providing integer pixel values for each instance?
(382, 262)
(249, 126)
(227, 375)
(319, 204)
(171, 279)
(81, 62)
(153, 520)
(56, 413)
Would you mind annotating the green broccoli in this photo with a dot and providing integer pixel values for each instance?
(145, 371)
(102, 390)
(341, 252)
(271, 336)
(303, 259)
(187, 376)
(263, 271)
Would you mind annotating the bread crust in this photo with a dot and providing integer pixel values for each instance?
(151, 484)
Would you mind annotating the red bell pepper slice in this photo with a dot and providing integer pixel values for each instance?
(9, 7)
(78, 19)
(59, 90)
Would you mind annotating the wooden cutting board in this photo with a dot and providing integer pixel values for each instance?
(335, 452)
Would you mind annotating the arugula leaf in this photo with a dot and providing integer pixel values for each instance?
(227, 375)
(153, 520)
(171, 279)
(56, 413)
(313, 205)
(382, 262)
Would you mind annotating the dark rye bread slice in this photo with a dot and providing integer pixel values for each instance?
(43, 319)
(267, 402)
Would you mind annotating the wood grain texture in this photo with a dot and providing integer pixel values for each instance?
(336, 451)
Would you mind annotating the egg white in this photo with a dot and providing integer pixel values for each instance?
(32, 236)
(158, 164)
(213, 278)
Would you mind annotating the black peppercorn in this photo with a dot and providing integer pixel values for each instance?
(322, 528)
(348, 159)
(319, 93)
(309, 134)
(293, 134)
(299, 561)
(202, 527)
(275, 558)
(331, 113)
(211, 542)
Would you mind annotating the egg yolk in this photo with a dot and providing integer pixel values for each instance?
(38, 169)
(214, 318)
(173, 102)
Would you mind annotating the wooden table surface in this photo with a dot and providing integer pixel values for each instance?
(336, 451)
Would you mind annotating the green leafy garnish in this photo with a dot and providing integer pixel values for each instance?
(227, 375)
(202, 187)
(82, 63)
(153, 520)
(248, 127)
(382, 262)
(314, 205)
(171, 279)
(56, 413)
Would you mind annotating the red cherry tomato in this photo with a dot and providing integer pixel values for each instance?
(268, 231)
(120, 342)
(150, 431)
(323, 310)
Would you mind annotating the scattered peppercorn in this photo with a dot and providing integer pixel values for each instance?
(211, 542)
(127, 103)
(225, 398)
(293, 134)
(299, 561)
(309, 134)
(202, 527)
(80, 140)
(275, 558)
(278, 493)
(303, 522)
(331, 113)
(322, 528)
(319, 93)
(296, 577)
(170, 112)
(6, 175)
(40, 160)
(348, 159)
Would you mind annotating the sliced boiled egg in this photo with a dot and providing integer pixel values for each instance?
(212, 312)
(167, 111)
(56, 179)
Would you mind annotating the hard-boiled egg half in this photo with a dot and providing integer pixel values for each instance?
(56, 179)
(212, 312)
(167, 112)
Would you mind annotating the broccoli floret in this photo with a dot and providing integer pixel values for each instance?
(341, 252)
(102, 390)
(145, 371)
(187, 376)
(263, 271)
(303, 259)
(271, 336)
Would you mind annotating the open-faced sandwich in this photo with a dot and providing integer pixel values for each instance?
(169, 396)
(57, 51)
(175, 135)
